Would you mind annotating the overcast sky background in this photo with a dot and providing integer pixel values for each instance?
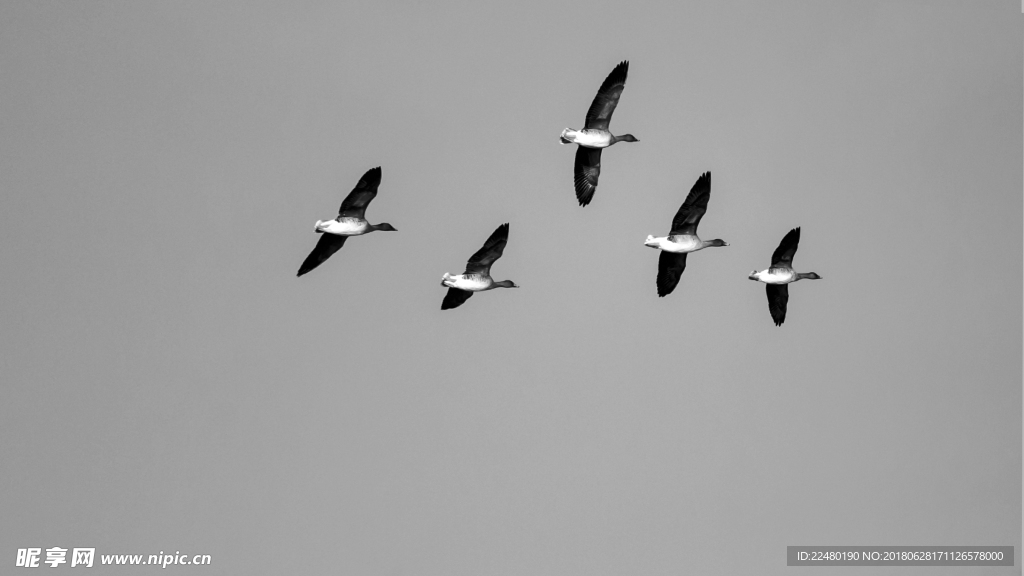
(170, 385)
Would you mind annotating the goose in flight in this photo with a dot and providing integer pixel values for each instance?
(781, 274)
(477, 276)
(595, 134)
(350, 222)
(682, 239)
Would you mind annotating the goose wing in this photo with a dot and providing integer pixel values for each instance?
(670, 268)
(480, 262)
(325, 247)
(600, 113)
(694, 207)
(778, 297)
(586, 172)
(454, 298)
(354, 205)
(783, 255)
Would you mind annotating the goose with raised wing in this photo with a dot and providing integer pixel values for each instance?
(351, 221)
(781, 274)
(683, 239)
(595, 134)
(477, 276)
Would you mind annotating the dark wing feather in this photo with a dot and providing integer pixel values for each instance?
(585, 173)
(325, 247)
(783, 255)
(480, 263)
(600, 113)
(670, 268)
(454, 298)
(354, 205)
(694, 207)
(778, 297)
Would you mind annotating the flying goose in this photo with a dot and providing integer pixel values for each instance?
(780, 274)
(477, 276)
(595, 134)
(350, 222)
(682, 239)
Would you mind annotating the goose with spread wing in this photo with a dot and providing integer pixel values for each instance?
(351, 221)
(477, 276)
(595, 135)
(683, 239)
(778, 277)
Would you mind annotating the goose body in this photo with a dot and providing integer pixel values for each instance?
(780, 275)
(344, 226)
(477, 277)
(776, 276)
(588, 138)
(351, 221)
(678, 244)
(595, 134)
(683, 239)
(468, 282)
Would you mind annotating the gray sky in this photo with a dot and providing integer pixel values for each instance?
(169, 385)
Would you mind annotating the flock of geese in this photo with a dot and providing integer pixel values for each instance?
(681, 240)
